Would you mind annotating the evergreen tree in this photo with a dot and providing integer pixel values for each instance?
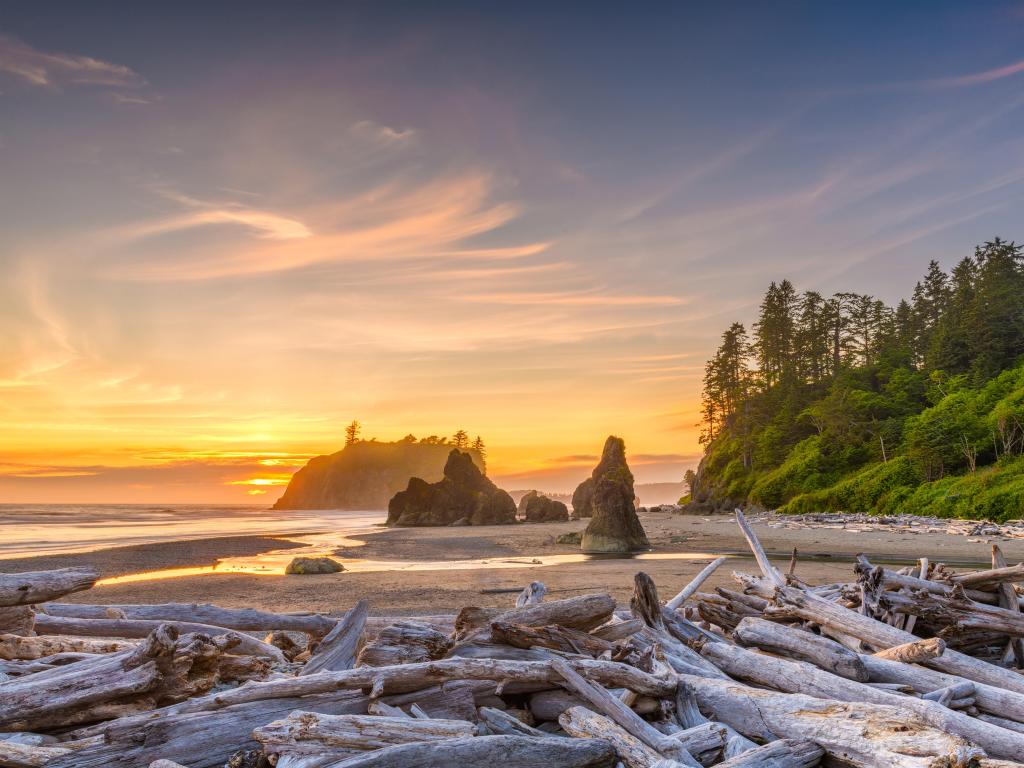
(481, 449)
(460, 440)
(352, 433)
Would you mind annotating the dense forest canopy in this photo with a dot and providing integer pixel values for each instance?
(843, 402)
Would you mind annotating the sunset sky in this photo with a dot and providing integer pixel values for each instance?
(226, 230)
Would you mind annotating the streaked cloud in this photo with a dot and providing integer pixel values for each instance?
(45, 69)
(979, 78)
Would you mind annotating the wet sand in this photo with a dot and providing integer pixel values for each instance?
(825, 555)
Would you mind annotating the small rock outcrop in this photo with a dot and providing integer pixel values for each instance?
(583, 499)
(463, 492)
(535, 507)
(614, 526)
(303, 566)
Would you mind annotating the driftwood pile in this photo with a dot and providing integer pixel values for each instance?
(899, 668)
(982, 531)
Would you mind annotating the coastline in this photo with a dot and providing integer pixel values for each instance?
(436, 570)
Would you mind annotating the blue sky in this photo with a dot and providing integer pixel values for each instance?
(228, 230)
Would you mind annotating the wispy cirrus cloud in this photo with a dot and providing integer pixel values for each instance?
(400, 220)
(46, 69)
(979, 78)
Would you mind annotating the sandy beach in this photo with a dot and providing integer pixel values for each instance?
(435, 570)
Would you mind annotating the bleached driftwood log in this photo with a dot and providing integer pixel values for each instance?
(244, 619)
(956, 613)
(996, 701)
(584, 612)
(27, 648)
(520, 676)
(801, 645)
(784, 753)
(618, 712)
(405, 642)
(1008, 599)
(991, 578)
(339, 648)
(861, 735)
(17, 619)
(804, 678)
(518, 751)
(309, 733)
(140, 628)
(789, 602)
(455, 700)
(634, 753)
(618, 630)
(41, 586)
(163, 669)
(554, 637)
(15, 755)
(532, 594)
(690, 589)
(202, 740)
(500, 723)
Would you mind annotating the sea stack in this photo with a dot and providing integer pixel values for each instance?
(614, 527)
(464, 496)
(535, 507)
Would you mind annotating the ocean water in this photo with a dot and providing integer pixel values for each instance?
(44, 529)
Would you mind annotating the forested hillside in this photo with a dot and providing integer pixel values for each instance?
(844, 403)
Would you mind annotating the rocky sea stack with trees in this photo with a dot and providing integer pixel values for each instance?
(844, 403)
(464, 496)
(367, 473)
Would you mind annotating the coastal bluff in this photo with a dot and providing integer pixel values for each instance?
(366, 474)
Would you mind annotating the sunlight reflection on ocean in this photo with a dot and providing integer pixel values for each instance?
(48, 529)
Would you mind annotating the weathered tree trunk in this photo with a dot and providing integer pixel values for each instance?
(500, 723)
(511, 751)
(790, 602)
(784, 753)
(202, 740)
(163, 669)
(800, 677)
(585, 612)
(13, 755)
(555, 637)
(308, 733)
(41, 586)
(27, 648)
(619, 630)
(339, 648)
(801, 645)
(613, 707)
(406, 642)
(634, 753)
(17, 620)
(521, 676)
(997, 701)
(861, 735)
(243, 619)
(139, 628)
(1008, 600)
